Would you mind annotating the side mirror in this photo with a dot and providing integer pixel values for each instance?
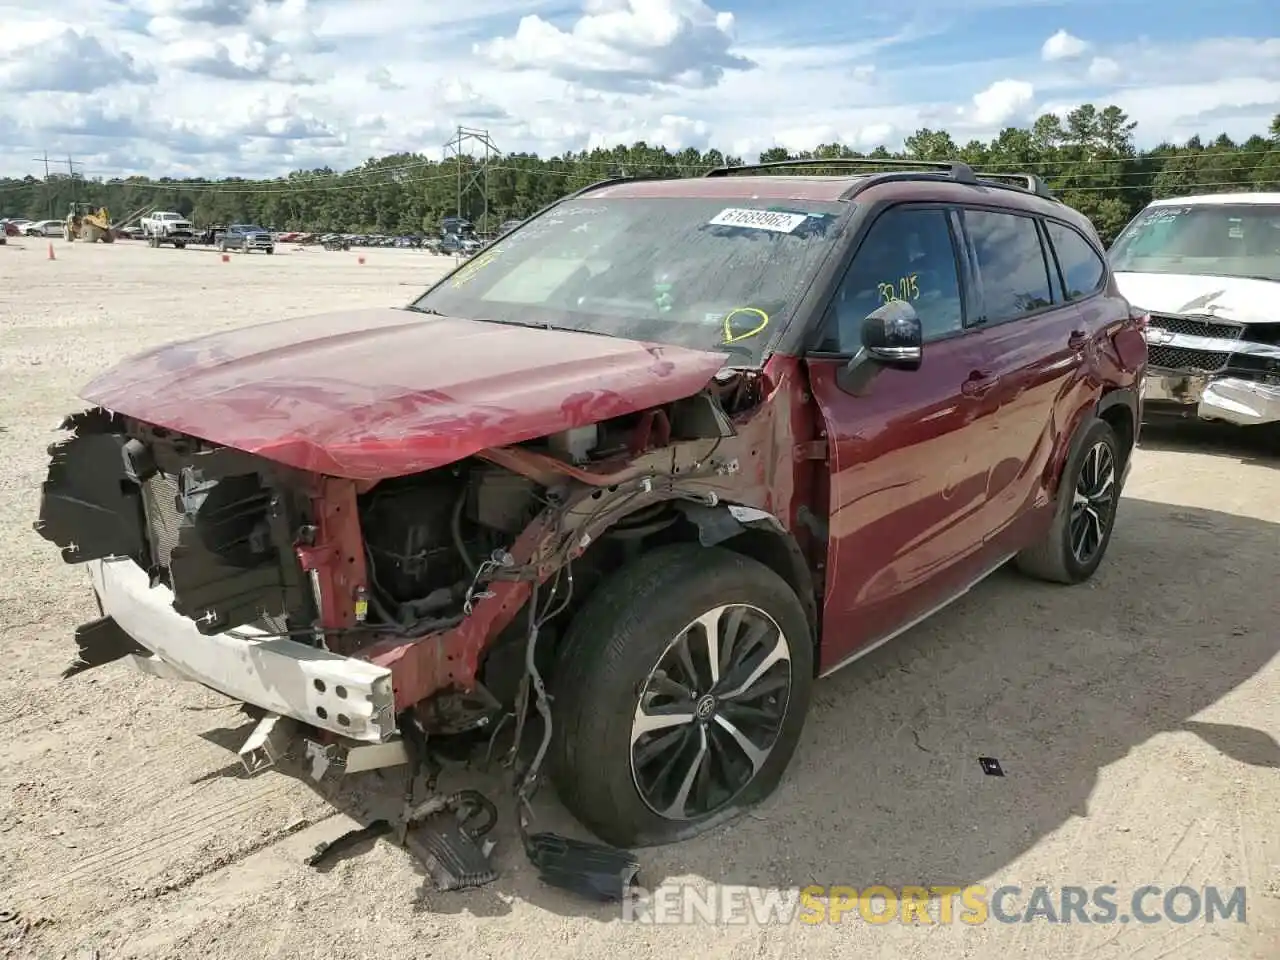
(892, 338)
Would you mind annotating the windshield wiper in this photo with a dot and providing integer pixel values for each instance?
(427, 310)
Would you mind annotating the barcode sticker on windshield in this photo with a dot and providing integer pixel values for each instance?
(775, 220)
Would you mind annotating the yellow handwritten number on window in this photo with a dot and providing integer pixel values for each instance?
(905, 288)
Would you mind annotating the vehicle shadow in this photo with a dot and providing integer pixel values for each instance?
(1055, 682)
(1250, 445)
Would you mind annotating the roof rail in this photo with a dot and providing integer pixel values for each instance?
(1027, 181)
(954, 169)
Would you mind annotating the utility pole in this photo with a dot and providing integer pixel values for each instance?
(48, 197)
(71, 174)
(469, 136)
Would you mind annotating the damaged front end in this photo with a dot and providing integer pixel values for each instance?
(1212, 368)
(383, 615)
(220, 566)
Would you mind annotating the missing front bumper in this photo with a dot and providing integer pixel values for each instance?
(349, 697)
(1230, 399)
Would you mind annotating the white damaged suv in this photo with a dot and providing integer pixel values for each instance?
(1206, 269)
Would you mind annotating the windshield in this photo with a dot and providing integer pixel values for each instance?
(708, 274)
(1219, 240)
(248, 228)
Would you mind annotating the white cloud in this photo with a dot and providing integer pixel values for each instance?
(1104, 70)
(1002, 103)
(71, 60)
(626, 44)
(260, 87)
(465, 103)
(1063, 46)
(675, 132)
(382, 78)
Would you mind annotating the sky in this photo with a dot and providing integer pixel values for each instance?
(215, 88)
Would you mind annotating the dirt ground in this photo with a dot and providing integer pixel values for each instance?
(1136, 718)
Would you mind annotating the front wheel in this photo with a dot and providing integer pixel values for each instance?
(680, 694)
(1088, 496)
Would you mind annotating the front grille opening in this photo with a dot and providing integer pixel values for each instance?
(1196, 327)
(1179, 358)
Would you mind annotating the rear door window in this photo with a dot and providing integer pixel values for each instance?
(1083, 270)
(1010, 261)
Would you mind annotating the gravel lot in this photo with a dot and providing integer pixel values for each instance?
(1136, 717)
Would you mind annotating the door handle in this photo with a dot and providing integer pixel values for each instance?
(1077, 339)
(979, 384)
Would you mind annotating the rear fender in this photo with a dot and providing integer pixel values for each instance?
(1120, 405)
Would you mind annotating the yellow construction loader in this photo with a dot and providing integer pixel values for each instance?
(85, 223)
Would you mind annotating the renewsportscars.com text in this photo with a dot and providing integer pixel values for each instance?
(972, 905)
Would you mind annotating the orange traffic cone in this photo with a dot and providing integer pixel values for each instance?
(226, 258)
(358, 259)
(51, 254)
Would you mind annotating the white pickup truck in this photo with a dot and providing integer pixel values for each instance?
(162, 227)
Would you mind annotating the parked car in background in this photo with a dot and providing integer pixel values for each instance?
(685, 454)
(164, 227)
(44, 228)
(12, 228)
(245, 237)
(461, 246)
(1207, 270)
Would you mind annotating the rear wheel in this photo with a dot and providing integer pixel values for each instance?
(681, 691)
(1088, 496)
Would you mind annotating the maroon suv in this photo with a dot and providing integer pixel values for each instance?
(678, 447)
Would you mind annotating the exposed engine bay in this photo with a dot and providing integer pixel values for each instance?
(247, 544)
(406, 590)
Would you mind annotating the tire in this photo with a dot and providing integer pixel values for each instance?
(624, 632)
(180, 244)
(1055, 558)
(269, 251)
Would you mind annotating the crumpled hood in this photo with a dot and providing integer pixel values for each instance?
(370, 394)
(1229, 298)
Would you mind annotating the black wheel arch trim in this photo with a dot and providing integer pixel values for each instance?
(1131, 399)
(1122, 396)
(760, 535)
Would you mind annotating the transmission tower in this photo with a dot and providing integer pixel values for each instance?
(472, 138)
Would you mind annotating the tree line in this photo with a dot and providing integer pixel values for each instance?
(1087, 158)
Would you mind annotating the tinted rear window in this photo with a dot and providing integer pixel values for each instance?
(1015, 280)
(1082, 268)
